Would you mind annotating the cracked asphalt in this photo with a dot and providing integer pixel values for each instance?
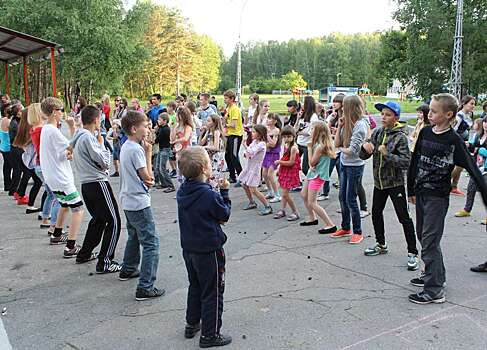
(287, 287)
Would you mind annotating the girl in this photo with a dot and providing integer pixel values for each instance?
(306, 117)
(250, 176)
(114, 136)
(212, 141)
(463, 122)
(289, 167)
(196, 123)
(253, 108)
(423, 121)
(181, 133)
(320, 151)
(271, 155)
(136, 105)
(260, 116)
(352, 130)
(478, 145)
(105, 101)
(5, 149)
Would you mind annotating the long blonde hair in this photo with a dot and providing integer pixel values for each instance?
(322, 136)
(34, 114)
(353, 110)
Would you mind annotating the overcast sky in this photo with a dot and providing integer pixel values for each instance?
(282, 20)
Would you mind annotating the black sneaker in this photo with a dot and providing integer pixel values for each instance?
(115, 174)
(144, 294)
(58, 240)
(92, 256)
(45, 226)
(191, 330)
(218, 340)
(479, 268)
(112, 268)
(125, 276)
(424, 298)
(71, 253)
(418, 282)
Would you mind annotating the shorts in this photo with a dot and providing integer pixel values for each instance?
(315, 184)
(69, 198)
(116, 153)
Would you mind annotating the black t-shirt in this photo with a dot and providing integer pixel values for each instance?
(163, 137)
(292, 119)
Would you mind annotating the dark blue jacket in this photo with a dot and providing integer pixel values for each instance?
(201, 212)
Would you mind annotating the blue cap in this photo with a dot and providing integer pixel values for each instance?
(392, 105)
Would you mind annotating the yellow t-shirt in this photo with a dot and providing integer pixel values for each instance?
(234, 114)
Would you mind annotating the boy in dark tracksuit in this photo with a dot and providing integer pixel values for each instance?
(389, 147)
(438, 149)
(201, 212)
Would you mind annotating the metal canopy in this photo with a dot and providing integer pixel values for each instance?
(14, 45)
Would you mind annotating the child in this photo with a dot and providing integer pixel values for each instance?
(289, 167)
(163, 136)
(438, 149)
(92, 162)
(234, 132)
(201, 212)
(351, 133)
(250, 177)
(271, 155)
(173, 120)
(135, 181)
(212, 141)
(114, 136)
(55, 155)
(261, 114)
(197, 123)
(181, 133)
(320, 151)
(478, 145)
(422, 121)
(389, 146)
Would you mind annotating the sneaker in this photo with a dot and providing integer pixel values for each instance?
(71, 253)
(218, 340)
(424, 298)
(462, 214)
(169, 190)
(266, 210)
(339, 210)
(23, 200)
(191, 330)
(376, 250)
(418, 281)
(144, 294)
(457, 192)
(113, 267)
(173, 174)
(269, 196)
(45, 225)
(341, 233)
(336, 185)
(93, 256)
(484, 222)
(322, 197)
(479, 268)
(364, 213)
(58, 240)
(115, 174)
(250, 206)
(276, 199)
(32, 210)
(125, 276)
(327, 231)
(413, 262)
(356, 239)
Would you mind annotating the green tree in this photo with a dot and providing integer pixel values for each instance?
(293, 80)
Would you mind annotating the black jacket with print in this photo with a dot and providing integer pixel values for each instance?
(389, 170)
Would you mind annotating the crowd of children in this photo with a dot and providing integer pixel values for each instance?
(196, 144)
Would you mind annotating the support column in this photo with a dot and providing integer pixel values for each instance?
(7, 81)
(26, 82)
(53, 73)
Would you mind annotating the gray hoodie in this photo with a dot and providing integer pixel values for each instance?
(359, 135)
(91, 160)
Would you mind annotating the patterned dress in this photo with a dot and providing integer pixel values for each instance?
(217, 161)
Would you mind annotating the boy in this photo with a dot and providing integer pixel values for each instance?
(233, 124)
(92, 162)
(438, 149)
(391, 156)
(135, 181)
(163, 133)
(55, 155)
(201, 211)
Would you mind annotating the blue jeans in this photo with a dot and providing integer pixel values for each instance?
(350, 179)
(51, 205)
(141, 232)
(161, 166)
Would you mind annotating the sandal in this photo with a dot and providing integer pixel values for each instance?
(293, 217)
(280, 214)
(251, 205)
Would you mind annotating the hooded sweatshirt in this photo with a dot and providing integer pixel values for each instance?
(389, 170)
(201, 212)
(91, 160)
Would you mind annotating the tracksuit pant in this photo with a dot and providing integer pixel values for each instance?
(206, 273)
(399, 201)
(105, 222)
(232, 157)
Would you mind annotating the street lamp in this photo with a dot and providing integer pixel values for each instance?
(338, 78)
(239, 58)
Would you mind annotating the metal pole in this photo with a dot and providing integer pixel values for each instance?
(7, 81)
(53, 73)
(239, 59)
(26, 82)
(456, 66)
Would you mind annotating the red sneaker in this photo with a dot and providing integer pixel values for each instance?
(457, 192)
(341, 233)
(356, 239)
(23, 200)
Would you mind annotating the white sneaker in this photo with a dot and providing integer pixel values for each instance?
(413, 262)
(364, 213)
(275, 199)
(321, 198)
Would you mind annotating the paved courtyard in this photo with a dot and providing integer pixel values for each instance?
(287, 287)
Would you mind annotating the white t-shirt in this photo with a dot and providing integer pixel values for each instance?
(56, 168)
(305, 128)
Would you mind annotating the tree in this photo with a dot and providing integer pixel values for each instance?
(293, 80)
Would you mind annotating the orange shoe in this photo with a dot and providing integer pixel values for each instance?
(23, 200)
(457, 192)
(341, 233)
(356, 239)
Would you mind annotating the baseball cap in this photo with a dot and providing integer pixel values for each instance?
(392, 105)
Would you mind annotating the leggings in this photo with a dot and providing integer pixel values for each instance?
(35, 188)
(21, 174)
(303, 153)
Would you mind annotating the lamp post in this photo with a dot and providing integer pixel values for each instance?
(338, 78)
(239, 59)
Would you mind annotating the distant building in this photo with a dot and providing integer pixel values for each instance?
(397, 90)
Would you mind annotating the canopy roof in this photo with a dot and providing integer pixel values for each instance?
(14, 45)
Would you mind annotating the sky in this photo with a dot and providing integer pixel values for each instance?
(281, 20)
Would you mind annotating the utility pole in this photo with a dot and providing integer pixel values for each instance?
(239, 59)
(456, 66)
